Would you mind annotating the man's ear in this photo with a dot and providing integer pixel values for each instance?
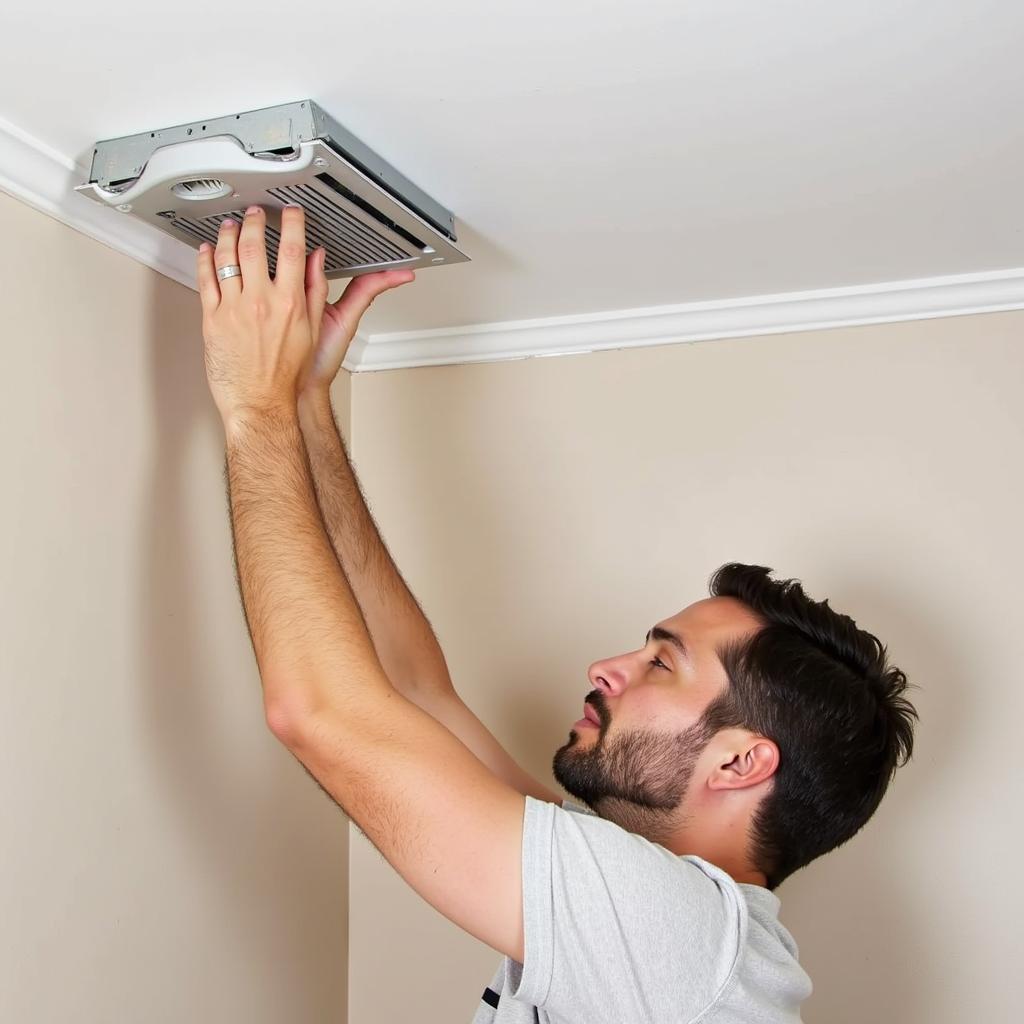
(746, 760)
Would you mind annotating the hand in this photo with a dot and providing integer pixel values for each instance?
(338, 321)
(256, 331)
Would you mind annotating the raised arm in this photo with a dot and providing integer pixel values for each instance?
(403, 638)
(404, 641)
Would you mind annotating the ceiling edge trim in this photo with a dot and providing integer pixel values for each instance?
(40, 176)
(887, 302)
(44, 178)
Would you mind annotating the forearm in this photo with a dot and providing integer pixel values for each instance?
(405, 642)
(310, 639)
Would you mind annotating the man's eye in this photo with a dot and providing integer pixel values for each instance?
(659, 662)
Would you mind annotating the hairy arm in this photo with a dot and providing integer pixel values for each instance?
(406, 645)
(408, 650)
(450, 827)
(307, 630)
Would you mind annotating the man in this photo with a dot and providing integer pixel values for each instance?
(751, 732)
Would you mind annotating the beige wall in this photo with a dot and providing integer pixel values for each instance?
(164, 858)
(547, 511)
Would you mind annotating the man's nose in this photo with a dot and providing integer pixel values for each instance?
(611, 676)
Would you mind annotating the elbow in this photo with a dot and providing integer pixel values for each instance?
(286, 713)
(281, 722)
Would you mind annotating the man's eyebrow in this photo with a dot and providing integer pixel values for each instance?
(663, 634)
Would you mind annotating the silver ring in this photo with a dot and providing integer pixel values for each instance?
(225, 272)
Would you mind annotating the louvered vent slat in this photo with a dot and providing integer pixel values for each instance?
(363, 239)
(349, 241)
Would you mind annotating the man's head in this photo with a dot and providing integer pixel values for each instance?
(757, 729)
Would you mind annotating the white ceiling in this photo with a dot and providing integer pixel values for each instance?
(597, 156)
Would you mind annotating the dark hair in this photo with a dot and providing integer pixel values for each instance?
(820, 688)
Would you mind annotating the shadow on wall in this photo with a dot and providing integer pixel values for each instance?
(274, 868)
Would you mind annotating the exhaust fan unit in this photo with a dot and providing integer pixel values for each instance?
(185, 180)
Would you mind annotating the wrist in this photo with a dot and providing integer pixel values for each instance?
(247, 420)
(314, 403)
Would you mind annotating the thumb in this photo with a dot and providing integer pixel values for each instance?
(360, 292)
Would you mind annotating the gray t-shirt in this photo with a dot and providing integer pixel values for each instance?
(620, 930)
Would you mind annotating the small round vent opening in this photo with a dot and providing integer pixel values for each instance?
(201, 188)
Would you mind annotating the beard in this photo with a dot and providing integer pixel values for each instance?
(638, 779)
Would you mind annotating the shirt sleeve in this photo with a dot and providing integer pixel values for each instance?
(617, 928)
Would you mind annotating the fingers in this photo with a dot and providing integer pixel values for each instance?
(206, 280)
(226, 255)
(291, 252)
(252, 250)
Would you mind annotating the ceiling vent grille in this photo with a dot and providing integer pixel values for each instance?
(186, 180)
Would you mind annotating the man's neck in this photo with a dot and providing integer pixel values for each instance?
(719, 854)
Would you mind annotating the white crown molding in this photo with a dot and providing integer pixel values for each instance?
(889, 302)
(40, 176)
(43, 178)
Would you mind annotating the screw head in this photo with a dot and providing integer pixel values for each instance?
(125, 207)
(320, 162)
